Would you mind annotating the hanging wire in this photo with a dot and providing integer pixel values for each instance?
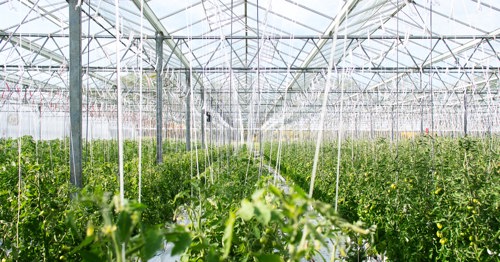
(430, 67)
(328, 85)
(341, 119)
(251, 114)
(191, 101)
(283, 117)
(397, 79)
(323, 111)
(19, 174)
(120, 112)
(120, 101)
(231, 86)
(397, 104)
(259, 90)
(87, 87)
(141, 50)
(431, 87)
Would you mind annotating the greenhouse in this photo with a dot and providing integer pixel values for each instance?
(249, 130)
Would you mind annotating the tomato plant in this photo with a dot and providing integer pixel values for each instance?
(431, 198)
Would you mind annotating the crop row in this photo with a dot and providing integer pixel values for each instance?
(38, 218)
(430, 198)
(213, 205)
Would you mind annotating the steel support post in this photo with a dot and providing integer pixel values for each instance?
(392, 123)
(159, 98)
(188, 112)
(356, 131)
(217, 138)
(210, 139)
(40, 122)
(465, 114)
(421, 118)
(372, 133)
(75, 92)
(223, 135)
(202, 118)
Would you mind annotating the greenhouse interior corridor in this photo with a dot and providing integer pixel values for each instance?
(249, 130)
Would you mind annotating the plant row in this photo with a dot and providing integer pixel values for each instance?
(42, 217)
(213, 205)
(430, 198)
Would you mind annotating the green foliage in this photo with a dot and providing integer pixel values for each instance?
(241, 217)
(431, 198)
(32, 214)
(38, 219)
(213, 205)
(121, 236)
(277, 226)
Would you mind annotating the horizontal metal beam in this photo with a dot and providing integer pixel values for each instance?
(262, 108)
(380, 92)
(264, 92)
(263, 37)
(19, 39)
(315, 107)
(293, 109)
(44, 52)
(281, 70)
(357, 69)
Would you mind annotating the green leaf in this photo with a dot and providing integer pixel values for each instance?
(246, 210)
(181, 243)
(72, 225)
(90, 256)
(298, 190)
(153, 240)
(258, 194)
(256, 232)
(135, 206)
(212, 256)
(228, 234)
(124, 226)
(83, 244)
(269, 258)
(263, 213)
(276, 191)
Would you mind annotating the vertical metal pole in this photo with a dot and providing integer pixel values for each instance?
(40, 122)
(421, 107)
(188, 112)
(159, 99)
(356, 125)
(392, 123)
(210, 132)
(261, 152)
(225, 136)
(75, 92)
(465, 113)
(202, 118)
(421, 117)
(371, 125)
(119, 111)
(217, 132)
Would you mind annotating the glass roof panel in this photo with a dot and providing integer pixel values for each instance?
(275, 35)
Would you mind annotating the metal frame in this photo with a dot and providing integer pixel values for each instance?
(448, 71)
(75, 71)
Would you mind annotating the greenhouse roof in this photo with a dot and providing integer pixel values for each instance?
(261, 64)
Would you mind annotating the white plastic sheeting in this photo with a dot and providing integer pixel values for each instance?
(18, 121)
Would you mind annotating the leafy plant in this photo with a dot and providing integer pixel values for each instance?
(121, 236)
(431, 198)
